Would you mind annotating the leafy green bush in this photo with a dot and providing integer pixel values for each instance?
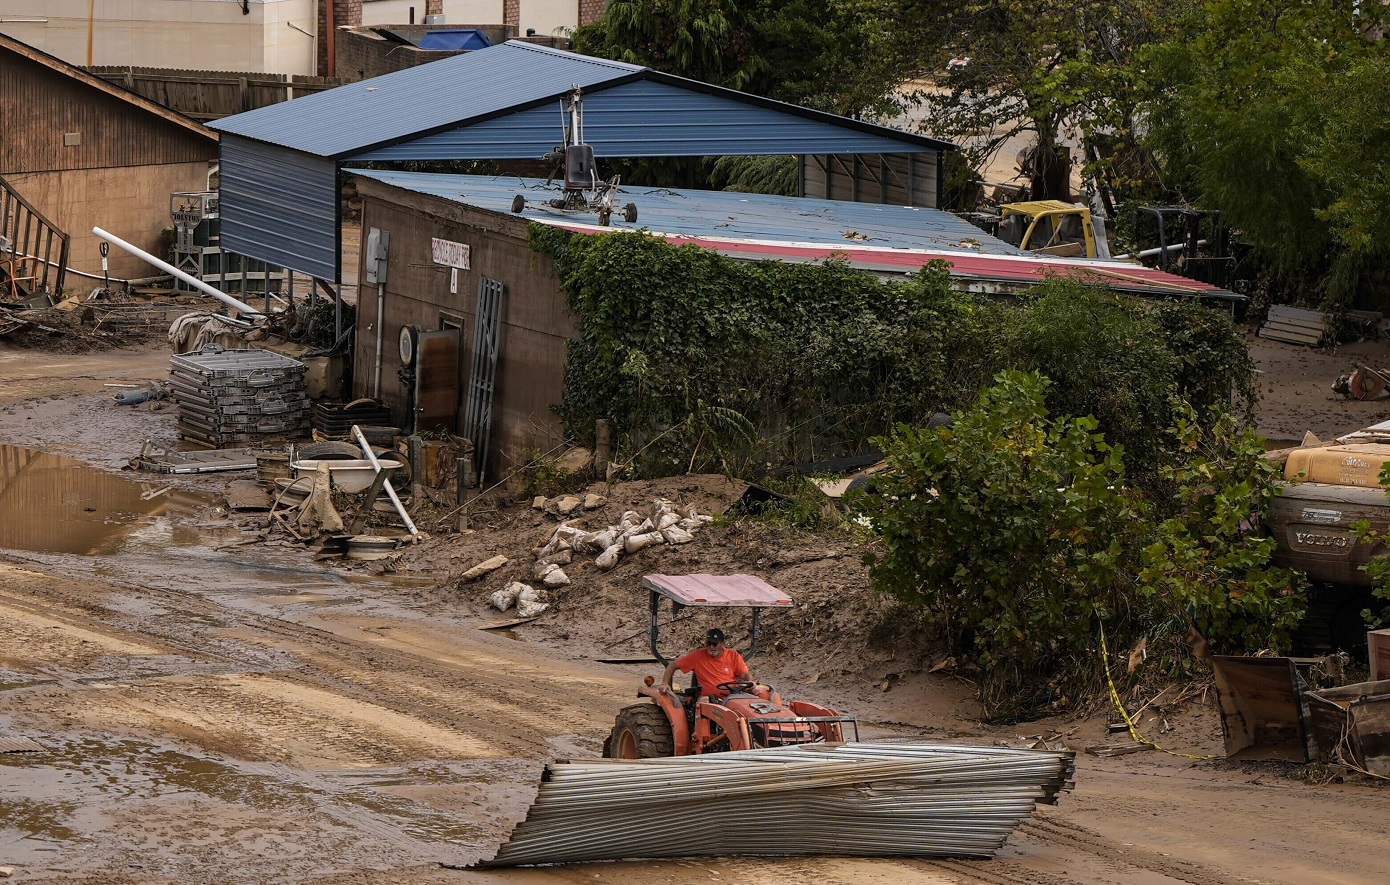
(704, 362)
(1019, 536)
(815, 358)
(1015, 531)
(1208, 563)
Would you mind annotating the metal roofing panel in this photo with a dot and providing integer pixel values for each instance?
(422, 99)
(466, 90)
(718, 590)
(858, 799)
(280, 206)
(645, 118)
(871, 236)
(830, 224)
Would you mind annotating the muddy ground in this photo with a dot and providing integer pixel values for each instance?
(204, 709)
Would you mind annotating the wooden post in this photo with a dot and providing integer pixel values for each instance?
(464, 481)
(603, 446)
(416, 452)
(359, 522)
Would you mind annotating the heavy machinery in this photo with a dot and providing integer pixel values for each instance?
(583, 192)
(743, 715)
(1051, 227)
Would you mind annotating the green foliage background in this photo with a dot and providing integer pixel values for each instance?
(712, 363)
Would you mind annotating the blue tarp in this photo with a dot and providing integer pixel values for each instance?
(456, 38)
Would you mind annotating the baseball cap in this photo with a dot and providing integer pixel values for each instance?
(714, 636)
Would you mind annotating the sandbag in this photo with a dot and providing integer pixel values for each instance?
(506, 597)
(609, 557)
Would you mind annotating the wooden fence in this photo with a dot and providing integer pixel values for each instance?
(211, 95)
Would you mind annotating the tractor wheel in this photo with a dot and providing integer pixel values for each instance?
(641, 731)
(630, 213)
(518, 203)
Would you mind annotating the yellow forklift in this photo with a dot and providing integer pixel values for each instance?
(1052, 227)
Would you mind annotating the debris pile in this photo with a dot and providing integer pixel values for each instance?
(666, 523)
(238, 397)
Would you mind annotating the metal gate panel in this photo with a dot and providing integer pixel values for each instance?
(477, 418)
(437, 379)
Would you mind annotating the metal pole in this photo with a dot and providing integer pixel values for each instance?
(169, 268)
(380, 322)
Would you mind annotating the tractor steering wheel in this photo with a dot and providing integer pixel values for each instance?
(743, 685)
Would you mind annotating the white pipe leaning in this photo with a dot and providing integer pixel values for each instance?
(400, 508)
(187, 278)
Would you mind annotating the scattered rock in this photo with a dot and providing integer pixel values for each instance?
(565, 505)
(576, 460)
(538, 502)
(484, 567)
(593, 502)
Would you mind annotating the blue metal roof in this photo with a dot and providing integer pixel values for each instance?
(643, 118)
(364, 120)
(725, 214)
(455, 38)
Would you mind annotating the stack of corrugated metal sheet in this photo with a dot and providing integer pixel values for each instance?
(239, 397)
(923, 800)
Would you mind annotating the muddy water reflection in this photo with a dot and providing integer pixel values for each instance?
(53, 504)
(57, 505)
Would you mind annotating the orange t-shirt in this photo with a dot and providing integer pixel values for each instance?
(711, 670)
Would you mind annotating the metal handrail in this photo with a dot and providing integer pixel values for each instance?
(27, 240)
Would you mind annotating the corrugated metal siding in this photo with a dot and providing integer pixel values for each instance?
(907, 800)
(40, 105)
(901, 179)
(650, 119)
(280, 206)
(422, 99)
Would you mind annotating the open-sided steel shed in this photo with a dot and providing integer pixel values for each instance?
(279, 174)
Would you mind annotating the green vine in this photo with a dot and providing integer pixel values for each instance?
(703, 362)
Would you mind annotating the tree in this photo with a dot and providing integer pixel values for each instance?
(824, 54)
(1275, 112)
(1005, 67)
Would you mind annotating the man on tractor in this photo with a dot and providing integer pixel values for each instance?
(717, 669)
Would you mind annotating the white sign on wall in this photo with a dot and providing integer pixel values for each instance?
(449, 253)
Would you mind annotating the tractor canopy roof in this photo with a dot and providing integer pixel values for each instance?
(730, 591)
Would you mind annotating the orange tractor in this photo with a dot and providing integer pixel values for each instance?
(729, 716)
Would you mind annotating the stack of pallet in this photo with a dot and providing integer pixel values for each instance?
(1296, 325)
(239, 397)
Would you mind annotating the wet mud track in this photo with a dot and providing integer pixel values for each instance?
(204, 712)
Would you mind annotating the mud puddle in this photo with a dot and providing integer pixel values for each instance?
(53, 504)
(106, 524)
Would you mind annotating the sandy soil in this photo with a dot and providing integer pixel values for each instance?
(211, 710)
(1296, 388)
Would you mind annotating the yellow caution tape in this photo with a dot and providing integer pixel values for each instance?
(1120, 707)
